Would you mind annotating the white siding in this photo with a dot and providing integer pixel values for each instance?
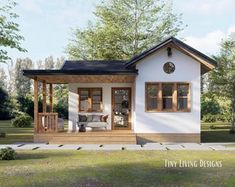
(73, 100)
(151, 70)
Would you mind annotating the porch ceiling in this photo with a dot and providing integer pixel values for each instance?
(65, 79)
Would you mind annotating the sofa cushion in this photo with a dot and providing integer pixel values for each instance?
(97, 124)
(89, 118)
(82, 118)
(96, 118)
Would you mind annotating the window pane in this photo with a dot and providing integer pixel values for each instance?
(167, 89)
(182, 89)
(84, 104)
(96, 96)
(167, 103)
(96, 107)
(182, 103)
(152, 104)
(152, 91)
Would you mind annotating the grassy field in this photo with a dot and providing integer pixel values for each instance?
(26, 134)
(15, 134)
(115, 168)
(216, 135)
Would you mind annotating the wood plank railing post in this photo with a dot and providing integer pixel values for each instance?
(36, 125)
(44, 97)
(51, 97)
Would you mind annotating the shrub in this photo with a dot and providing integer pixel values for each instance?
(23, 120)
(7, 154)
(2, 134)
(209, 118)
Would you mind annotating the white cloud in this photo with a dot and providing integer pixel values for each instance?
(210, 43)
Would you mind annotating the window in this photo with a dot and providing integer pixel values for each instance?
(182, 96)
(90, 99)
(152, 92)
(171, 97)
(167, 96)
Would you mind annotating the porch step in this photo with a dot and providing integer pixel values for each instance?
(87, 138)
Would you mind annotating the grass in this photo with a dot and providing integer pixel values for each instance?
(14, 134)
(117, 168)
(220, 134)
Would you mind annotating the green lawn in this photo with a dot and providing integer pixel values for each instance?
(115, 168)
(15, 134)
(26, 134)
(216, 135)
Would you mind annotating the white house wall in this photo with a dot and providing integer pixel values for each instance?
(150, 69)
(107, 94)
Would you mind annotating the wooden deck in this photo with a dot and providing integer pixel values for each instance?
(99, 137)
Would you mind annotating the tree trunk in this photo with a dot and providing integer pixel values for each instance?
(233, 112)
(233, 108)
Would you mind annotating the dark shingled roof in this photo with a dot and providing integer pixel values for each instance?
(112, 65)
(96, 67)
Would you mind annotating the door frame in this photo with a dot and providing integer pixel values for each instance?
(130, 108)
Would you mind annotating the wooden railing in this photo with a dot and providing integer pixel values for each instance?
(47, 122)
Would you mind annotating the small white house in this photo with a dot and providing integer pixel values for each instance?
(154, 96)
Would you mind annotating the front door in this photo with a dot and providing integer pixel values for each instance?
(121, 108)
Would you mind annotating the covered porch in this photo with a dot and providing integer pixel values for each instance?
(47, 120)
(106, 76)
(46, 123)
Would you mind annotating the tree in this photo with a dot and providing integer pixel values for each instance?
(124, 28)
(9, 30)
(3, 79)
(5, 105)
(49, 63)
(22, 84)
(223, 77)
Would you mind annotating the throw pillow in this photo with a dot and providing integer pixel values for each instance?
(104, 118)
(96, 118)
(82, 118)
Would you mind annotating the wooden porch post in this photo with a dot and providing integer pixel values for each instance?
(44, 97)
(36, 104)
(51, 97)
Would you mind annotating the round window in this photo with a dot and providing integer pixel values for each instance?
(169, 67)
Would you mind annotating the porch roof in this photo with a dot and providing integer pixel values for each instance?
(85, 71)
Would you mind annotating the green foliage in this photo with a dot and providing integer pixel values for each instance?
(9, 35)
(216, 107)
(26, 104)
(23, 120)
(222, 79)
(62, 108)
(209, 118)
(5, 105)
(124, 29)
(7, 154)
(22, 83)
(209, 105)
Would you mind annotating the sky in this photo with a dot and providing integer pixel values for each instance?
(47, 24)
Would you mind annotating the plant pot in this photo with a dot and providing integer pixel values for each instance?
(82, 128)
